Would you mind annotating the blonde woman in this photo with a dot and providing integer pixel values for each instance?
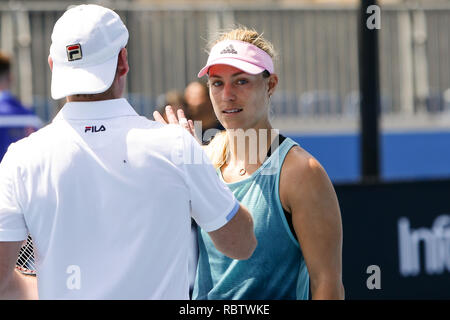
(296, 214)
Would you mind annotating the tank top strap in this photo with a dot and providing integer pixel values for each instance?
(278, 153)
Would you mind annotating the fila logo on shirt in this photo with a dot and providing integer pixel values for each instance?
(74, 52)
(94, 129)
(229, 49)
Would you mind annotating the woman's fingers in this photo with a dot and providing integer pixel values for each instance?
(186, 124)
(158, 117)
(171, 117)
(191, 127)
(178, 118)
(182, 119)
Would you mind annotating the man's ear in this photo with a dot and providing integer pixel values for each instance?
(122, 63)
(50, 63)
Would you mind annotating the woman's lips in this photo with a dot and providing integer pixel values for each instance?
(232, 111)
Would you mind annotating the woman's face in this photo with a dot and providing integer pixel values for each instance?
(240, 100)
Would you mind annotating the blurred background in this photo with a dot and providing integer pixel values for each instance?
(317, 98)
(317, 103)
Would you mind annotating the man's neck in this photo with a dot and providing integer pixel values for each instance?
(90, 97)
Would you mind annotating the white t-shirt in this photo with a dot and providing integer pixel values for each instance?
(107, 197)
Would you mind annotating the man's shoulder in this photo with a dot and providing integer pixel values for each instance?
(153, 129)
(37, 139)
(144, 133)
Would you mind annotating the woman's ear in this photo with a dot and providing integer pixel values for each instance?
(273, 81)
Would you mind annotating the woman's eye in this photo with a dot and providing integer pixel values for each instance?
(217, 83)
(242, 81)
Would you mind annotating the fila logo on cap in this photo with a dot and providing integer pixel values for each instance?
(229, 49)
(74, 52)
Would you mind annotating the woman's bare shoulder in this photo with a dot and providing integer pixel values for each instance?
(304, 183)
(300, 162)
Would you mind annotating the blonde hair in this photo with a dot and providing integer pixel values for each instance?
(218, 149)
(242, 33)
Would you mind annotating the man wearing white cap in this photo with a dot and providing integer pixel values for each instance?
(94, 188)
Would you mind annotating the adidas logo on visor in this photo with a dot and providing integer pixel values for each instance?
(228, 49)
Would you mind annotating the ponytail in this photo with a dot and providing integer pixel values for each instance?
(218, 149)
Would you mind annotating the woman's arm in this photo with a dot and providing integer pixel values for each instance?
(307, 192)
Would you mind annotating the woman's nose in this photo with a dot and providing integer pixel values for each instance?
(228, 92)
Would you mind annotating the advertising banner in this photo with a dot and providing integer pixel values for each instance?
(396, 240)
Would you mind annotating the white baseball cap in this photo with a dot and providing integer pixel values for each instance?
(86, 42)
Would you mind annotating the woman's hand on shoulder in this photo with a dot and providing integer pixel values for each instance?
(178, 118)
